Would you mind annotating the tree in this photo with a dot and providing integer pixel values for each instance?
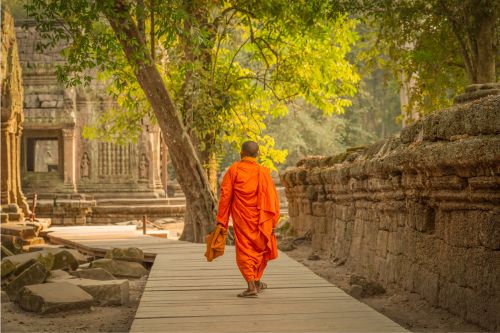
(438, 46)
(212, 73)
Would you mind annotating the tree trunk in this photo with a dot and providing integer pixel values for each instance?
(486, 49)
(191, 176)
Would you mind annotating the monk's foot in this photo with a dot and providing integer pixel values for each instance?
(248, 293)
(261, 286)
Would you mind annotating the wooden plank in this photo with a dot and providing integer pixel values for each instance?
(184, 293)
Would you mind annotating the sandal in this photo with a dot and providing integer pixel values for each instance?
(262, 287)
(248, 293)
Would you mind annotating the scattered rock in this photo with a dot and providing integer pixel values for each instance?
(46, 259)
(313, 257)
(34, 274)
(63, 259)
(94, 274)
(286, 245)
(120, 268)
(19, 230)
(58, 275)
(7, 267)
(127, 254)
(111, 292)
(53, 297)
(80, 258)
(370, 288)
(5, 297)
(356, 291)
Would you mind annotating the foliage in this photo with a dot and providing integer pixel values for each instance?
(432, 44)
(228, 64)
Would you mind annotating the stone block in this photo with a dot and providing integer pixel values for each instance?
(126, 254)
(57, 275)
(7, 267)
(48, 104)
(53, 297)
(18, 230)
(121, 268)
(46, 259)
(34, 274)
(94, 274)
(318, 209)
(110, 292)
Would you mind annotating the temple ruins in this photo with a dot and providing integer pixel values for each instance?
(80, 181)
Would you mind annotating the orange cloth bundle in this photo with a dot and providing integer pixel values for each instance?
(216, 243)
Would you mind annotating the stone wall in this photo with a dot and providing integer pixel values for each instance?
(419, 211)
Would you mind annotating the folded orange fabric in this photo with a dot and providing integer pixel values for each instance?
(216, 243)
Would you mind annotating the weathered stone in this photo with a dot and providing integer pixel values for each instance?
(58, 275)
(286, 245)
(53, 297)
(418, 211)
(5, 297)
(93, 273)
(46, 259)
(7, 267)
(6, 252)
(356, 291)
(127, 254)
(63, 259)
(111, 292)
(34, 274)
(121, 268)
(314, 256)
(12, 243)
(13, 203)
(19, 230)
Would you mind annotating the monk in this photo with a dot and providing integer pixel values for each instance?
(248, 194)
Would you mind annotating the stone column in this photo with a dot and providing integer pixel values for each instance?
(21, 199)
(6, 164)
(69, 158)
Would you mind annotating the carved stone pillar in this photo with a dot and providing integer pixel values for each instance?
(6, 164)
(21, 199)
(69, 157)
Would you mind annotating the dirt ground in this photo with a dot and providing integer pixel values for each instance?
(97, 319)
(406, 309)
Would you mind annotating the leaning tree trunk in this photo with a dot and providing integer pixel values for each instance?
(191, 176)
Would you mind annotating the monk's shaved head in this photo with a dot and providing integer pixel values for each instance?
(249, 148)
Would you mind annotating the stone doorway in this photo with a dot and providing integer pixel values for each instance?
(42, 160)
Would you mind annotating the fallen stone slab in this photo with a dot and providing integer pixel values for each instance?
(111, 292)
(127, 254)
(120, 268)
(46, 259)
(7, 267)
(53, 297)
(34, 274)
(93, 273)
(58, 275)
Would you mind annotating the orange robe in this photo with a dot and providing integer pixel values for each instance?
(249, 195)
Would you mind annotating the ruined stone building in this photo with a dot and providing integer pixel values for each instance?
(14, 205)
(419, 211)
(78, 180)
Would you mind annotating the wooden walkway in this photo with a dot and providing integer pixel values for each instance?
(185, 293)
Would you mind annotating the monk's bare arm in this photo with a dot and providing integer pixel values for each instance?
(226, 194)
